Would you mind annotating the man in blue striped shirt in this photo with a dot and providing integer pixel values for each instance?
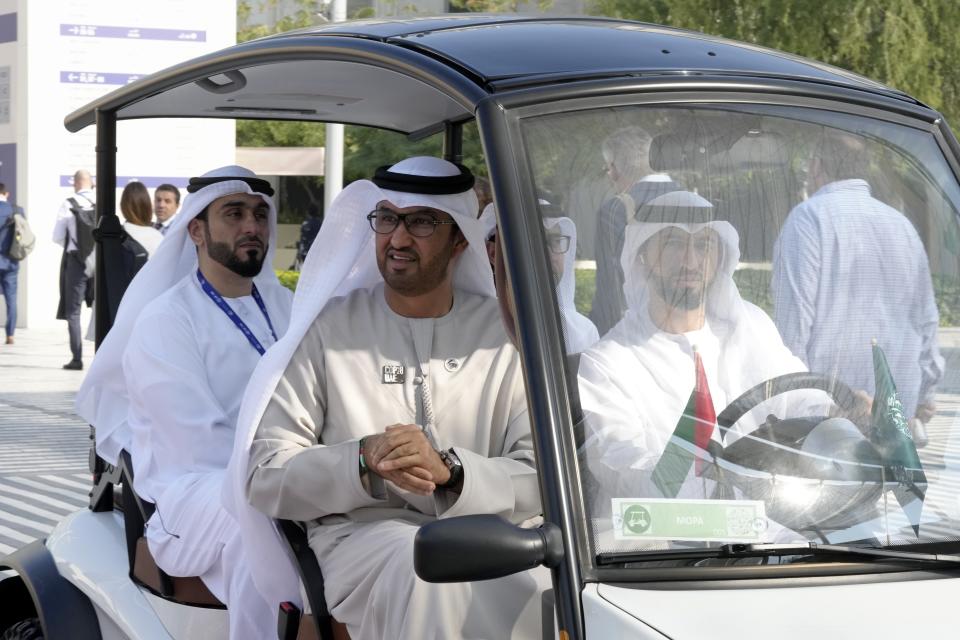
(848, 269)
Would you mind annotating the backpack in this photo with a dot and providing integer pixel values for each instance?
(86, 217)
(134, 257)
(23, 240)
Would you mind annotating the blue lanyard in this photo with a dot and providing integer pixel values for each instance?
(220, 302)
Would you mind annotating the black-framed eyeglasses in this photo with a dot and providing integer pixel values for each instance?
(418, 223)
(558, 243)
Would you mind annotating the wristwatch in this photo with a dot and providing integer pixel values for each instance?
(454, 466)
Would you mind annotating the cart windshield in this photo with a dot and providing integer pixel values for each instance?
(760, 308)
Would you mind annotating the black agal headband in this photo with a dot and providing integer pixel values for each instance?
(427, 185)
(257, 184)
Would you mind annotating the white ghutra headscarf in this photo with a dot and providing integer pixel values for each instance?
(691, 213)
(578, 330)
(341, 259)
(635, 382)
(102, 399)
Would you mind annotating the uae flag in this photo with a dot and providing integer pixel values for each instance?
(892, 438)
(695, 428)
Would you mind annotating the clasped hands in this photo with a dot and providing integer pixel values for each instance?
(403, 455)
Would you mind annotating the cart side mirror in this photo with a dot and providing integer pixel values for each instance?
(482, 547)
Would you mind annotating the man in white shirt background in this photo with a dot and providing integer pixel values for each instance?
(849, 269)
(75, 283)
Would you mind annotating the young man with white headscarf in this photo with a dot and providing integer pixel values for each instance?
(395, 399)
(579, 333)
(167, 382)
(685, 326)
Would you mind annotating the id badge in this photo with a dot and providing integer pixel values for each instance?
(393, 374)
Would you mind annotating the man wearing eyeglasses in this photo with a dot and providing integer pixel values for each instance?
(689, 345)
(395, 399)
(579, 332)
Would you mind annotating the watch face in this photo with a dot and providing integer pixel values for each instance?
(451, 459)
(454, 466)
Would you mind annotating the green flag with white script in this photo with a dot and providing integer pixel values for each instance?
(892, 438)
(890, 429)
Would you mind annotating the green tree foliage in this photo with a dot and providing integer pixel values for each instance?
(907, 44)
(499, 6)
(366, 149)
(272, 133)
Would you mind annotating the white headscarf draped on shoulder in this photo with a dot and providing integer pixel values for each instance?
(342, 259)
(102, 399)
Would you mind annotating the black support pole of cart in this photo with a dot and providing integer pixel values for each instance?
(108, 236)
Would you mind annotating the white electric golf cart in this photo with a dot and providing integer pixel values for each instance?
(868, 543)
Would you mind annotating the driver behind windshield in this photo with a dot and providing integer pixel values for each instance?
(687, 338)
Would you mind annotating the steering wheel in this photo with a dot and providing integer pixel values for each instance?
(777, 447)
(842, 394)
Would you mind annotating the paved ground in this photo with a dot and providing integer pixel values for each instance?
(43, 444)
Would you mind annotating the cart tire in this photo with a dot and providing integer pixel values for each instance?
(28, 629)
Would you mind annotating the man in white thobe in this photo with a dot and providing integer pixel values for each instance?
(579, 333)
(402, 403)
(849, 269)
(186, 358)
(684, 314)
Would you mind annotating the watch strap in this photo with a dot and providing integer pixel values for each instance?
(452, 460)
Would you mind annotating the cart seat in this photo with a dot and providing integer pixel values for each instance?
(143, 568)
(191, 591)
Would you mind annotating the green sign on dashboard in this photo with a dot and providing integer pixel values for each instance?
(689, 520)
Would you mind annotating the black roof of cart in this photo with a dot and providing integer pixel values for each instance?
(411, 75)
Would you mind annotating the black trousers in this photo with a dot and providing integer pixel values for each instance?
(74, 292)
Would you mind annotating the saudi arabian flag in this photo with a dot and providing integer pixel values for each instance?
(891, 433)
(694, 429)
(892, 437)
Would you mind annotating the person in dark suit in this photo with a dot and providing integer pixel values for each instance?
(626, 157)
(9, 268)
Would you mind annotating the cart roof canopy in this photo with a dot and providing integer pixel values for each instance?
(415, 75)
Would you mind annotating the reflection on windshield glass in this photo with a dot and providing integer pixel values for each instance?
(775, 292)
(561, 237)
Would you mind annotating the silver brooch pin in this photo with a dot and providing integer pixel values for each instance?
(451, 364)
(393, 374)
